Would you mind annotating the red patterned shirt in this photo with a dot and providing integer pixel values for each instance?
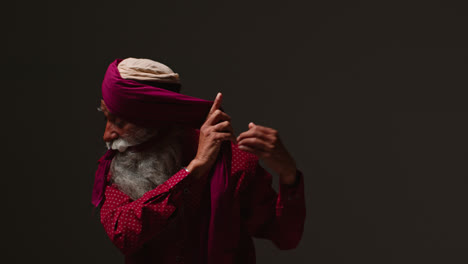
(163, 226)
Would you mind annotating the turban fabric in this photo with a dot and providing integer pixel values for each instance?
(150, 106)
(146, 105)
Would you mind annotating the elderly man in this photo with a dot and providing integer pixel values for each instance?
(177, 186)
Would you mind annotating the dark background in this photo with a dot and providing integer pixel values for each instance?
(370, 98)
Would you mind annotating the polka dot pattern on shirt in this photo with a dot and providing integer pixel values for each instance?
(132, 223)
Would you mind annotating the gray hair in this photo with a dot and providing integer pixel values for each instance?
(137, 172)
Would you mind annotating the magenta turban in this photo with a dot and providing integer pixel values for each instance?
(147, 105)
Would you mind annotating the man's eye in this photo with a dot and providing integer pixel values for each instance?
(120, 123)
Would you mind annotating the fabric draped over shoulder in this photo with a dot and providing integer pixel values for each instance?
(150, 106)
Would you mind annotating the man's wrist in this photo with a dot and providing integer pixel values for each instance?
(288, 178)
(197, 168)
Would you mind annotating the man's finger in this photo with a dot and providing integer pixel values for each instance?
(262, 128)
(215, 118)
(254, 151)
(222, 136)
(257, 144)
(255, 134)
(224, 126)
(216, 104)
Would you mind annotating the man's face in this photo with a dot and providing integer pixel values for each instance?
(115, 127)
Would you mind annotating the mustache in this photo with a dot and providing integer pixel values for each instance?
(120, 144)
(128, 140)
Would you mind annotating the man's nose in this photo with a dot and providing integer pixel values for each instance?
(111, 132)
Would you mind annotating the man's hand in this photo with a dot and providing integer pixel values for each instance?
(216, 129)
(266, 144)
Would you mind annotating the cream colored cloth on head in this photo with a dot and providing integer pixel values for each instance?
(146, 70)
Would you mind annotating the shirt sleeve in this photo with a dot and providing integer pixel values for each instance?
(130, 223)
(277, 217)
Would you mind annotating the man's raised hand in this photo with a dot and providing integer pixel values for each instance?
(216, 129)
(266, 144)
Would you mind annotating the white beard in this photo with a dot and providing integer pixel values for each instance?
(137, 172)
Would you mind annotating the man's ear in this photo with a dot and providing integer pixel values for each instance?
(103, 105)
